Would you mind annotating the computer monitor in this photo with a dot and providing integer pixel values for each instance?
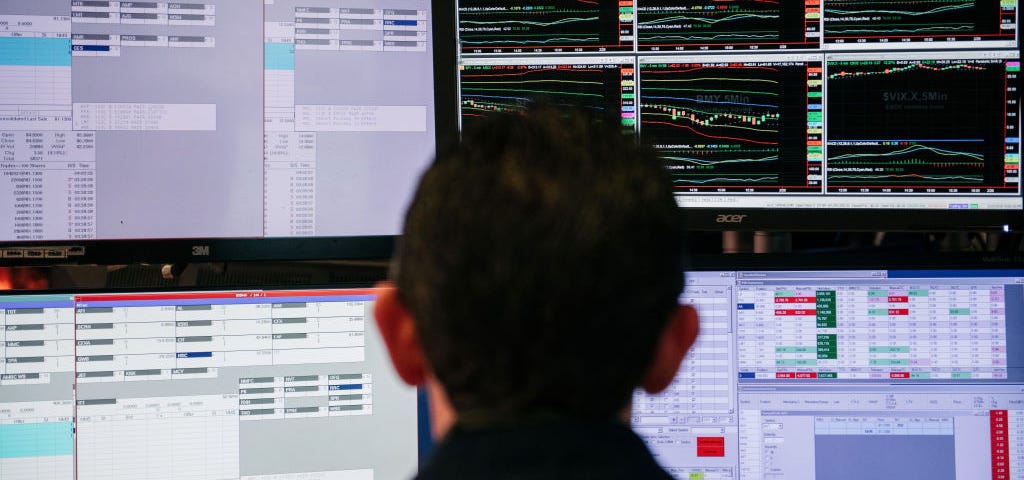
(823, 114)
(212, 119)
(253, 384)
(885, 369)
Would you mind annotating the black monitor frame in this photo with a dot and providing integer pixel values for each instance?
(852, 220)
(804, 219)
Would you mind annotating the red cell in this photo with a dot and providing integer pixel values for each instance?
(711, 441)
(712, 451)
(796, 312)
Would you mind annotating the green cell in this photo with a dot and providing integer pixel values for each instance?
(961, 375)
(785, 293)
(920, 375)
(696, 475)
(878, 311)
(959, 311)
(878, 293)
(826, 374)
(827, 349)
(918, 293)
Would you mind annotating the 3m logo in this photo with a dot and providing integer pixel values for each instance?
(730, 218)
(201, 251)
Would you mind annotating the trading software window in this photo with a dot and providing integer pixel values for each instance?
(846, 375)
(240, 384)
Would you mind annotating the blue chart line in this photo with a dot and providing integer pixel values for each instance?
(491, 24)
(908, 177)
(914, 149)
(900, 12)
(699, 161)
(537, 24)
(881, 18)
(709, 22)
(508, 39)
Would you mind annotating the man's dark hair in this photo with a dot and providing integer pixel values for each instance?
(542, 257)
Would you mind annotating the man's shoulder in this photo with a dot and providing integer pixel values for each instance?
(559, 450)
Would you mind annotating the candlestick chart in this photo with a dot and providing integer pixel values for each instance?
(729, 127)
(490, 89)
(933, 126)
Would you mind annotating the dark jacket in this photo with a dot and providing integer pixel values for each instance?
(563, 449)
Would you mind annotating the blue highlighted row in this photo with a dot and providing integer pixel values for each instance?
(195, 355)
(21, 440)
(351, 386)
(90, 48)
(401, 23)
(35, 52)
(744, 306)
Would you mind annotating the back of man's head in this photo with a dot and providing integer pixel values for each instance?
(541, 259)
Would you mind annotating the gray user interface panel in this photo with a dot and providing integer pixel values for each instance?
(134, 120)
(201, 385)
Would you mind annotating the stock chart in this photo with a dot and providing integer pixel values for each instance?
(489, 26)
(487, 89)
(735, 126)
(922, 126)
(726, 24)
(848, 21)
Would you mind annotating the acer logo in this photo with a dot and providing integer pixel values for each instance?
(730, 218)
(201, 251)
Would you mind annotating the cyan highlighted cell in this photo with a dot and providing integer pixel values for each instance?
(35, 440)
(279, 56)
(35, 52)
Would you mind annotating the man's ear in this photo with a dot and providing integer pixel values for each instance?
(677, 338)
(399, 332)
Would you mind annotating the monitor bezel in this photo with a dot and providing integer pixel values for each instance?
(852, 220)
(114, 251)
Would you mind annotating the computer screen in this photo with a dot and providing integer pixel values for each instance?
(251, 384)
(846, 374)
(767, 107)
(212, 118)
